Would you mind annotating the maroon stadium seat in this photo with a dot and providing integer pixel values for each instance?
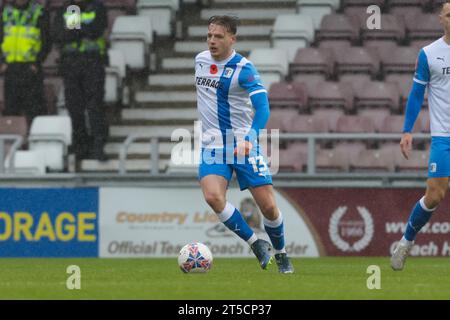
(373, 161)
(355, 80)
(424, 26)
(378, 94)
(338, 27)
(417, 162)
(309, 80)
(399, 60)
(307, 123)
(332, 160)
(292, 160)
(424, 119)
(405, 13)
(378, 115)
(394, 124)
(355, 124)
(313, 60)
(332, 95)
(358, 60)
(362, 3)
(404, 83)
(292, 94)
(337, 47)
(330, 115)
(392, 29)
(279, 117)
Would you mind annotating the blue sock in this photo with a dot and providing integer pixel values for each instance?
(420, 215)
(234, 221)
(275, 230)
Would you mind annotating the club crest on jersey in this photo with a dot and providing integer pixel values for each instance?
(213, 69)
(228, 73)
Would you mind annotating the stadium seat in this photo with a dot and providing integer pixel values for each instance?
(50, 65)
(424, 26)
(332, 160)
(392, 29)
(355, 80)
(272, 64)
(291, 32)
(330, 115)
(337, 47)
(317, 9)
(399, 60)
(307, 124)
(424, 119)
(394, 124)
(133, 35)
(161, 12)
(52, 135)
(292, 159)
(28, 162)
(338, 27)
(313, 60)
(358, 60)
(112, 16)
(373, 161)
(404, 83)
(417, 162)
(279, 118)
(405, 13)
(362, 3)
(355, 124)
(331, 95)
(309, 80)
(115, 73)
(378, 94)
(14, 125)
(378, 115)
(288, 94)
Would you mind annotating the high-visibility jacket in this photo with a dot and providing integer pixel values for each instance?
(21, 35)
(85, 45)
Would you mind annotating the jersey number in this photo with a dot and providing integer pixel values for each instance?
(258, 164)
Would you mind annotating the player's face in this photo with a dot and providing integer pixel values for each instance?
(220, 42)
(445, 18)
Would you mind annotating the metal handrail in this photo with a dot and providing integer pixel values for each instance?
(311, 139)
(12, 152)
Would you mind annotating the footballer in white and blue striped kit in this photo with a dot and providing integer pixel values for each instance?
(233, 108)
(432, 73)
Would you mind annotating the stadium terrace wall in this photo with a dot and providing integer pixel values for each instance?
(125, 220)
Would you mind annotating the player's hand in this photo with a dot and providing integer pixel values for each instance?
(3, 67)
(406, 144)
(243, 148)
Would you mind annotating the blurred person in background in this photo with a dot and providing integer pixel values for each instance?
(25, 43)
(80, 36)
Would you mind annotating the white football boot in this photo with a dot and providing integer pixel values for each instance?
(400, 253)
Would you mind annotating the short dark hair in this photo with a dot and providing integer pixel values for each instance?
(230, 23)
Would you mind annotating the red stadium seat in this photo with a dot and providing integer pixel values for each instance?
(332, 160)
(292, 94)
(399, 60)
(378, 94)
(424, 26)
(307, 124)
(404, 83)
(355, 124)
(378, 115)
(392, 29)
(292, 160)
(373, 161)
(313, 60)
(279, 117)
(417, 162)
(358, 60)
(331, 95)
(338, 27)
(330, 115)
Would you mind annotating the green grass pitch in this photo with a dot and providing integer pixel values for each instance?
(315, 278)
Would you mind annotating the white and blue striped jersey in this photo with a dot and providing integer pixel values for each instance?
(224, 89)
(433, 70)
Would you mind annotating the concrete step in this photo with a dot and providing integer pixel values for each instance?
(172, 80)
(139, 148)
(245, 31)
(155, 130)
(168, 96)
(248, 13)
(195, 47)
(159, 114)
(113, 165)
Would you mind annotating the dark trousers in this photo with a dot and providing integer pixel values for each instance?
(24, 91)
(84, 83)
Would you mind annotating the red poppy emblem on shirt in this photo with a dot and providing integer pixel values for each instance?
(213, 69)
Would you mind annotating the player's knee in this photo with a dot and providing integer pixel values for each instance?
(434, 196)
(270, 211)
(216, 201)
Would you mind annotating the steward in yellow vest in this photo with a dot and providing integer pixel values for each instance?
(25, 44)
(79, 31)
